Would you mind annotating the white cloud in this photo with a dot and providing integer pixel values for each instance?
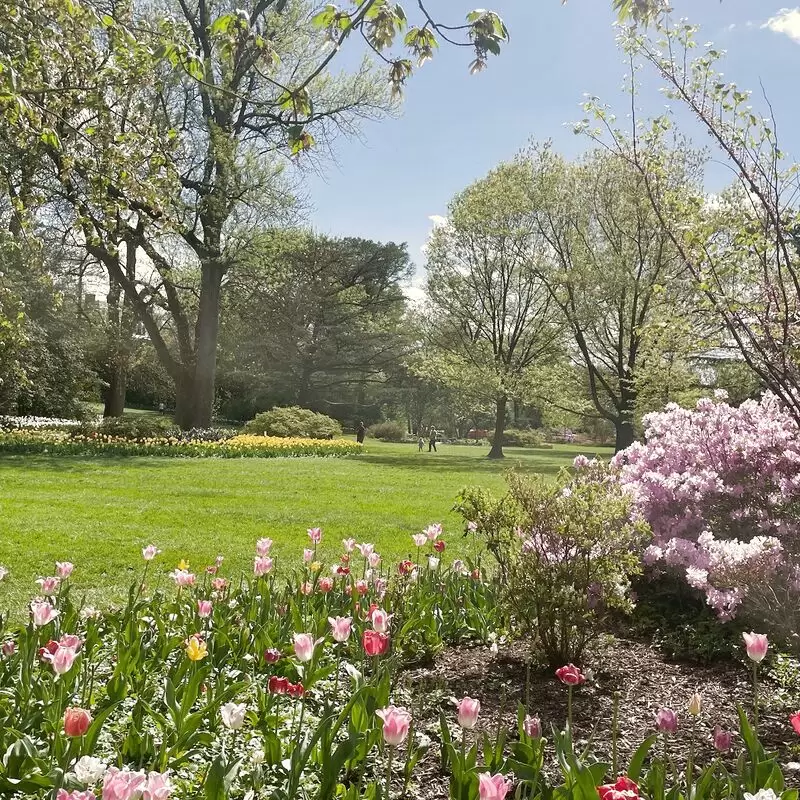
(786, 21)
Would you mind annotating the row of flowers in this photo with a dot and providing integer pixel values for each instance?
(36, 423)
(288, 686)
(242, 446)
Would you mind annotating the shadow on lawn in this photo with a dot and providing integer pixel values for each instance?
(75, 463)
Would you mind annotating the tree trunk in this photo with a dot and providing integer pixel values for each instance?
(625, 435)
(499, 427)
(184, 401)
(206, 334)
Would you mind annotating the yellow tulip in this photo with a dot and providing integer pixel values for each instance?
(196, 649)
(183, 565)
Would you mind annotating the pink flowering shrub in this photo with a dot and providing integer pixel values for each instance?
(720, 487)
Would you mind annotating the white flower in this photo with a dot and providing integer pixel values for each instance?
(90, 612)
(89, 770)
(433, 562)
(233, 715)
(761, 794)
(3, 573)
(257, 756)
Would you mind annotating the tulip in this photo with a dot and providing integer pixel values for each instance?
(62, 660)
(325, 584)
(304, 645)
(3, 573)
(295, 690)
(64, 569)
(315, 534)
(48, 586)
(695, 705)
(374, 560)
(380, 620)
(532, 727)
(158, 787)
(233, 715)
(349, 545)
(475, 574)
(362, 587)
(219, 584)
(492, 787)
(63, 794)
(76, 721)
(396, 722)
(278, 685)
(89, 770)
(272, 655)
(433, 563)
(123, 784)
(182, 578)
(8, 648)
(405, 567)
(623, 789)
(262, 565)
(365, 549)
(570, 675)
(756, 645)
(433, 532)
(196, 648)
(667, 720)
(380, 586)
(340, 628)
(308, 555)
(722, 739)
(375, 643)
(306, 588)
(150, 552)
(204, 608)
(439, 546)
(263, 547)
(420, 539)
(468, 710)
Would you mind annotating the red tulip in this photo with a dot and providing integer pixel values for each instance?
(76, 721)
(623, 789)
(570, 675)
(375, 644)
(795, 720)
(272, 656)
(439, 546)
(278, 685)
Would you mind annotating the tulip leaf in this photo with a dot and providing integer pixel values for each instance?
(637, 760)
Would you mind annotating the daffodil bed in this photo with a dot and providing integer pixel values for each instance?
(21, 442)
(221, 686)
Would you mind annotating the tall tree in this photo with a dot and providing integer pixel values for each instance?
(490, 315)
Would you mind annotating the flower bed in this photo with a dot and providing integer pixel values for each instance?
(210, 685)
(243, 446)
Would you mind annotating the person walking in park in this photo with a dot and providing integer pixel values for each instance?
(361, 431)
(432, 441)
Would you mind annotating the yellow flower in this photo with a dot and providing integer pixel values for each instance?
(316, 566)
(196, 649)
(695, 705)
(183, 565)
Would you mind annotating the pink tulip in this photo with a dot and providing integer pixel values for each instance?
(420, 539)
(306, 588)
(532, 727)
(433, 532)
(272, 655)
(63, 794)
(183, 578)
(263, 547)
(362, 587)
(468, 710)
(457, 566)
(366, 549)
(380, 587)
(219, 584)
(76, 722)
(722, 739)
(374, 560)
(349, 545)
(71, 640)
(308, 555)
(757, 645)
(123, 784)
(304, 645)
(315, 534)
(380, 620)
(492, 787)
(150, 552)
(42, 614)
(158, 787)
(341, 627)
(396, 722)
(64, 569)
(262, 565)
(204, 608)
(570, 675)
(62, 660)
(325, 584)
(8, 648)
(49, 586)
(667, 720)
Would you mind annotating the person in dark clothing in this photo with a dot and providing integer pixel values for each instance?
(361, 431)
(432, 442)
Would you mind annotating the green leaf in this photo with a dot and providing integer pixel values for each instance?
(637, 760)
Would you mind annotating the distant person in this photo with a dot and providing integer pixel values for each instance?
(420, 443)
(432, 442)
(361, 432)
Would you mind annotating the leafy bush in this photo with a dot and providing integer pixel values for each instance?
(719, 486)
(293, 421)
(132, 426)
(387, 431)
(514, 437)
(205, 435)
(568, 559)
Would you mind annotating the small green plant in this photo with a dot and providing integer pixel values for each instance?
(135, 426)
(387, 431)
(293, 421)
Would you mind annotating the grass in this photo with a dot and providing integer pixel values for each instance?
(100, 512)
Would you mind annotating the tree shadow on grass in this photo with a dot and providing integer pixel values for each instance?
(75, 463)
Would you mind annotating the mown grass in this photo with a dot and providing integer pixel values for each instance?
(100, 512)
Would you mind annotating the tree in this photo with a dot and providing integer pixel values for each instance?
(490, 316)
(614, 274)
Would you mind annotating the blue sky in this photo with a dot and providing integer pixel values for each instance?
(455, 127)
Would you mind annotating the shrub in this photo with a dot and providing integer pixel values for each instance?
(720, 488)
(293, 421)
(387, 431)
(514, 437)
(132, 426)
(569, 558)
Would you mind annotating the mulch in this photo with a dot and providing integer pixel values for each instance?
(644, 680)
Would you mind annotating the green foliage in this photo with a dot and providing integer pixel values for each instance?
(387, 431)
(514, 437)
(131, 426)
(293, 421)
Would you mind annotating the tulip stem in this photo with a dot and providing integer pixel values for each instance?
(569, 709)
(614, 735)
(755, 695)
(389, 772)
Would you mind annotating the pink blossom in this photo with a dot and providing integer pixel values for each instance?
(204, 608)
(62, 660)
(308, 555)
(492, 787)
(183, 578)
(64, 569)
(262, 565)
(325, 584)
(396, 722)
(349, 545)
(150, 552)
(71, 640)
(667, 720)
(219, 584)
(315, 534)
(8, 648)
(420, 539)
(63, 794)
(263, 547)
(756, 645)
(580, 462)
(304, 645)
(722, 739)
(532, 727)
(374, 560)
(366, 549)
(123, 784)
(570, 675)
(380, 587)
(362, 587)
(468, 710)
(380, 620)
(42, 614)
(306, 588)
(158, 787)
(49, 586)
(340, 628)
(433, 532)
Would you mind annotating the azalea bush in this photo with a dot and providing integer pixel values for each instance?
(568, 549)
(295, 422)
(239, 446)
(720, 487)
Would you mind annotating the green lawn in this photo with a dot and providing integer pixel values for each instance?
(99, 512)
